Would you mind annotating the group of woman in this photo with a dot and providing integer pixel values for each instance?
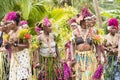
(83, 54)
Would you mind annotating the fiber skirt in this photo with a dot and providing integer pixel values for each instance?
(110, 68)
(2, 66)
(86, 65)
(49, 69)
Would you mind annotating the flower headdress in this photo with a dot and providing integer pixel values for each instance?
(85, 12)
(67, 71)
(72, 20)
(11, 16)
(113, 22)
(46, 22)
(23, 22)
(98, 72)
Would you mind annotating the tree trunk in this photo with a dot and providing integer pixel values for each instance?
(99, 20)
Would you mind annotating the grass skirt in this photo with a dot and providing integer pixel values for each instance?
(86, 65)
(49, 69)
(109, 69)
(2, 66)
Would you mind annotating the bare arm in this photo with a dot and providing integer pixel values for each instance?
(25, 45)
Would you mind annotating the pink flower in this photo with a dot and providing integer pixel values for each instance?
(11, 16)
(68, 44)
(37, 29)
(98, 72)
(67, 71)
(23, 22)
(113, 22)
(46, 22)
(71, 21)
(85, 12)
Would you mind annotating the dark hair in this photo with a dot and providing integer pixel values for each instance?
(78, 15)
(82, 22)
(17, 20)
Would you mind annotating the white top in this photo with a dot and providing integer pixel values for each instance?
(47, 50)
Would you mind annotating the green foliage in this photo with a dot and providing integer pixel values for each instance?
(25, 8)
(34, 43)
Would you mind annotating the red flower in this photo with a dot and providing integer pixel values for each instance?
(27, 36)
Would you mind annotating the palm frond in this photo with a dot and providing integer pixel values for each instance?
(25, 8)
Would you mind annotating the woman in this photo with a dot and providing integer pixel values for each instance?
(111, 48)
(20, 61)
(4, 68)
(4, 54)
(48, 60)
(84, 53)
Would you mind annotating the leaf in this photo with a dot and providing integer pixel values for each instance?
(106, 14)
(25, 8)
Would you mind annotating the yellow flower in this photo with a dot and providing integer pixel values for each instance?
(22, 33)
(97, 39)
(6, 36)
